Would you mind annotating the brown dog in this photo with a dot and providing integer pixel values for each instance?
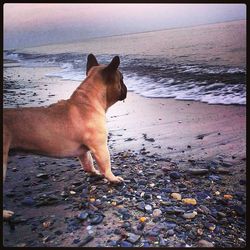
(69, 128)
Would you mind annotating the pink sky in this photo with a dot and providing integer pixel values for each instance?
(24, 24)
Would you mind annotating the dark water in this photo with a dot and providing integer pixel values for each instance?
(204, 63)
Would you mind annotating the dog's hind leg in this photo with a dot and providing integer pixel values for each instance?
(6, 145)
(87, 163)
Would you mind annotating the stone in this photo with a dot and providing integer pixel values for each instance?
(190, 201)
(198, 171)
(83, 216)
(141, 206)
(42, 176)
(157, 213)
(28, 201)
(214, 178)
(203, 209)
(175, 175)
(204, 243)
(170, 232)
(228, 196)
(86, 240)
(221, 170)
(125, 244)
(176, 196)
(133, 237)
(142, 219)
(148, 208)
(221, 215)
(96, 219)
(189, 215)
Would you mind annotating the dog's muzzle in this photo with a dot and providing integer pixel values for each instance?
(123, 94)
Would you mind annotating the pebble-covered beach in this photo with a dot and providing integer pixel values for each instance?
(184, 166)
(161, 203)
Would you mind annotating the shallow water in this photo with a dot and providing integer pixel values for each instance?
(204, 63)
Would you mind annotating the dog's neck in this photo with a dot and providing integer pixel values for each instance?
(85, 92)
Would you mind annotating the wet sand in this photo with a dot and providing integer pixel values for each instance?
(153, 144)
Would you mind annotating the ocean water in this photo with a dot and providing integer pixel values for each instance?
(204, 63)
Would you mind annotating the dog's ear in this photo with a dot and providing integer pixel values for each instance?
(113, 66)
(91, 61)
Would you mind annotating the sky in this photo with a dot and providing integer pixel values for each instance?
(28, 25)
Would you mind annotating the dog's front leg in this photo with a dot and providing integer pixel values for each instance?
(102, 157)
(87, 163)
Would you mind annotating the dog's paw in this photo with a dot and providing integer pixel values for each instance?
(116, 179)
(94, 172)
(7, 214)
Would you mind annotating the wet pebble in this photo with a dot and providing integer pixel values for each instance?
(141, 206)
(189, 215)
(85, 240)
(198, 171)
(125, 244)
(204, 243)
(133, 237)
(170, 232)
(96, 219)
(148, 208)
(175, 175)
(83, 216)
(203, 209)
(157, 213)
(189, 201)
(176, 196)
(42, 176)
(28, 201)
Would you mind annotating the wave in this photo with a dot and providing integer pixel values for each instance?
(152, 77)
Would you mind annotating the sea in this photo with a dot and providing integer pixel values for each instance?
(206, 63)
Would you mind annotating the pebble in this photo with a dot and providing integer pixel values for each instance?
(214, 177)
(189, 215)
(83, 216)
(126, 244)
(175, 175)
(221, 215)
(176, 196)
(133, 237)
(198, 171)
(200, 231)
(221, 170)
(28, 201)
(157, 213)
(86, 240)
(203, 209)
(204, 243)
(142, 219)
(189, 201)
(170, 232)
(141, 206)
(97, 219)
(42, 176)
(228, 196)
(148, 208)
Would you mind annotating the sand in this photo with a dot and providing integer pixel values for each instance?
(179, 129)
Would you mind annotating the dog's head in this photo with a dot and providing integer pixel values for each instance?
(111, 77)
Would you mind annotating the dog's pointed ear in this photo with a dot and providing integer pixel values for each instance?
(91, 61)
(113, 66)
